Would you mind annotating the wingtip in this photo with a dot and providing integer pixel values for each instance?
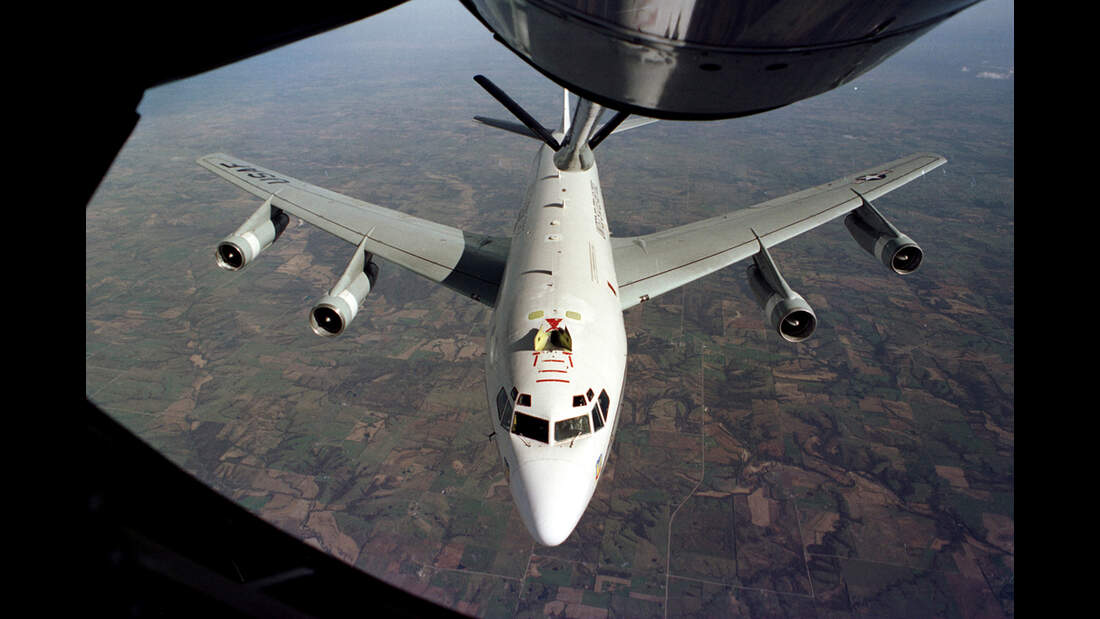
(218, 155)
(937, 158)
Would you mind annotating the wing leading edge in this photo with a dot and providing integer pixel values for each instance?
(656, 263)
(470, 264)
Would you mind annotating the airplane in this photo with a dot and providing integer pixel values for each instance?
(556, 357)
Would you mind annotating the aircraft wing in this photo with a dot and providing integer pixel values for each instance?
(653, 264)
(470, 264)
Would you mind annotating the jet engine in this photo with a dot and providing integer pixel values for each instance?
(784, 309)
(881, 239)
(256, 234)
(335, 311)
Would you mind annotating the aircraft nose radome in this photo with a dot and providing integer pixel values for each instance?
(556, 495)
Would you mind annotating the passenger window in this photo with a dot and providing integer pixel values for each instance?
(597, 418)
(504, 408)
(524, 399)
(578, 400)
(531, 427)
(571, 428)
(604, 402)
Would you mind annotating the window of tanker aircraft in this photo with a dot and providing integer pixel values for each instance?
(524, 399)
(567, 429)
(590, 395)
(578, 400)
(531, 427)
(605, 401)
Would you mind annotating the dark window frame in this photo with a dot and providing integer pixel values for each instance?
(534, 428)
(504, 409)
(597, 418)
(578, 420)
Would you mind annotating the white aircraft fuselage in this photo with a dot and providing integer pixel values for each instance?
(556, 362)
(557, 350)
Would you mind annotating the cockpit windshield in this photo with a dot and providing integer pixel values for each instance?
(567, 429)
(538, 428)
(531, 427)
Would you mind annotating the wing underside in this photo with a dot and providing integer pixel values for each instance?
(468, 263)
(653, 264)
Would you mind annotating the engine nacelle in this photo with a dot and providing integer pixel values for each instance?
(787, 312)
(784, 309)
(256, 234)
(881, 239)
(335, 311)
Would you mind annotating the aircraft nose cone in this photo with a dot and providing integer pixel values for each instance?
(554, 496)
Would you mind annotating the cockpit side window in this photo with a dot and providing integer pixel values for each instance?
(504, 408)
(531, 427)
(567, 429)
(597, 418)
(605, 402)
(524, 399)
(578, 400)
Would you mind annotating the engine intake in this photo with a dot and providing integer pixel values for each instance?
(255, 235)
(334, 312)
(881, 239)
(784, 309)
